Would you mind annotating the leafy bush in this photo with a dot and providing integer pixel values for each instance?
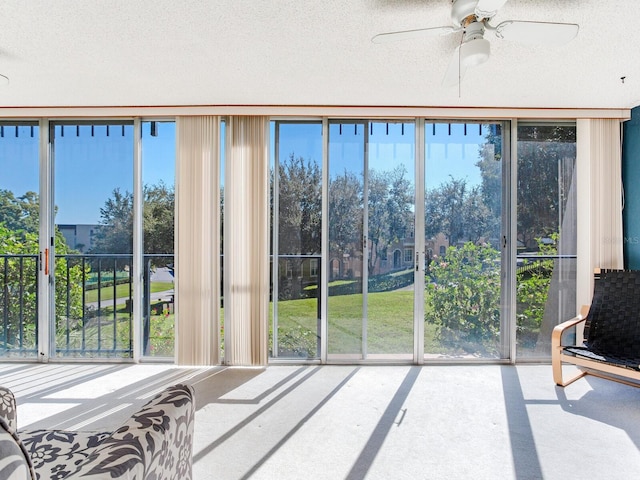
(533, 282)
(19, 297)
(465, 299)
(297, 341)
(389, 281)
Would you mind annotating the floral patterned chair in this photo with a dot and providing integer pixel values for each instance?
(154, 443)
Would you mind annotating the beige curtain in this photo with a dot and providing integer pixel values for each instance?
(600, 237)
(246, 241)
(197, 240)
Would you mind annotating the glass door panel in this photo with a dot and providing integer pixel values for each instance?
(463, 198)
(371, 240)
(19, 239)
(297, 193)
(93, 177)
(547, 241)
(390, 239)
(158, 179)
(345, 305)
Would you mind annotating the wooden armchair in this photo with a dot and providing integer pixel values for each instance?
(611, 344)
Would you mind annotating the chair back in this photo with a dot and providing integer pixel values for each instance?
(612, 326)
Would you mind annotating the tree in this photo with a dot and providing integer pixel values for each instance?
(345, 215)
(19, 272)
(390, 211)
(445, 210)
(19, 213)
(19, 295)
(545, 156)
(300, 206)
(115, 235)
(400, 203)
(222, 219)
(379, 217)
(478, 220)
(158, 218)
(299, 220)
(490, 166)
(116, 232)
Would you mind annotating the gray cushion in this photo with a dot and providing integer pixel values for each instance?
(8, 408)
(14, 461)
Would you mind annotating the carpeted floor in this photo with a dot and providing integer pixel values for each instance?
(360, 422)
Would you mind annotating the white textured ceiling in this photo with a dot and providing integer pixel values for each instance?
(304, 52)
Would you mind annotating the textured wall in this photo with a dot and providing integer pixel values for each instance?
(631, 183)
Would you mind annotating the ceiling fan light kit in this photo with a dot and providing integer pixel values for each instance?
(472, 17)
(475, 52)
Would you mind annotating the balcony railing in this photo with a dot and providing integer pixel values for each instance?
(93, 305)
(532, 262)
(19, 303)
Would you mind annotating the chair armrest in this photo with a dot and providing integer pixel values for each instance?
(556, 335)
(154, 443)
(556, 346)
(8, 408)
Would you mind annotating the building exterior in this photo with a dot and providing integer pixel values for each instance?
(80, 236)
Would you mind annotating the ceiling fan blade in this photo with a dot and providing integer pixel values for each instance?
(538, 33)
(488, 8)
(455, 71)
(410, 34)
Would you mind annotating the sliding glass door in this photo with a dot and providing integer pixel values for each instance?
(371, 240)
(409, 229)
(20, 262)
(547, 239)
(158, 224)
(296, 239)
(93, 185)
(466, 245)
(411, 270)
(70, 284)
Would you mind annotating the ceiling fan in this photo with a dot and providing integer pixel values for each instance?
(472, 17)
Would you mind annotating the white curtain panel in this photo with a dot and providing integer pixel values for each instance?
(197, 240)
(600, 236)
(246, 241)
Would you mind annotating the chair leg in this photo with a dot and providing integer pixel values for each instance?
(559, 381)
(556, 366)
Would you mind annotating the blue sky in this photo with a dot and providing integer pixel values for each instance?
(448, 153)
(89, 167)
(19, 160)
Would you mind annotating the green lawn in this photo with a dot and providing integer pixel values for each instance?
(389, 324)
(100, 332)
(122, 291)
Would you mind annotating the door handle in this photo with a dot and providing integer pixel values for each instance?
(46, 261)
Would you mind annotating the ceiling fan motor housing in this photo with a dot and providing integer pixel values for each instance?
(461, 10)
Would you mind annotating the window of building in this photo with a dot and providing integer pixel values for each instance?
(408, 255)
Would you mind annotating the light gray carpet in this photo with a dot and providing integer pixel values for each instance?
(360, 422)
